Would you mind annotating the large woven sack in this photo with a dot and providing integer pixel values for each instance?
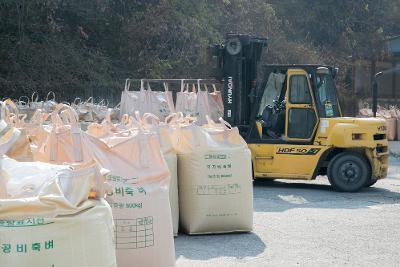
(36, 129)
(160, 103)
(86, 110)
(35, 103)
(133, 100)
(215, 180)
(398, 129)
(186, 101)
(50, 103)
(216, 104)
(21, 149)
(391, 128)
(25, 106)
(365, 113)
(48, 220)
(115, 112)
(8, 136)
(139, 177)
(397, 115)
(209, 104)
(100, 110)
(165, 131)
(202, 106)
(63, 141)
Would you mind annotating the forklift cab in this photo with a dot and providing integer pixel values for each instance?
(292, 98)
(284, 104)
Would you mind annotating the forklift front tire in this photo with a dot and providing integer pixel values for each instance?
(371, 182)
(349, 172)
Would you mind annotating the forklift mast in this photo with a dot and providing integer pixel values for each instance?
(237, 61)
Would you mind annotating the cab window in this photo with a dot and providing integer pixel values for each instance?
(299, 93)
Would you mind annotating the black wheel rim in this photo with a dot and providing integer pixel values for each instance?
(350, 172)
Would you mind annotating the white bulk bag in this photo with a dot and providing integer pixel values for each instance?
(48, 220)
(160, 103)
(50, 104)
(139, 177)
(202, 106)
(186, 101)
(63, 141)
(216, 104)
(84, 109)
(21, 149)
(8, 136)
(209, 104)
(35, 104)
(215, 180)
(133, 100)
(165, 131)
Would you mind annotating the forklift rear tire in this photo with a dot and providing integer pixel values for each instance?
(371, 182)
(349, 172)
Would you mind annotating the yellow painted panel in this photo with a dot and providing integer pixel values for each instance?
(286, 160)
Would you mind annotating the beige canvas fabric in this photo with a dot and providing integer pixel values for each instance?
(100, 110)
(63, 141)
(216, 104)
(391, 128)
(133, 100)
(140, 203)
(35, 103)
(215, 180)
(48, 220)
(84, 109)
(160, 103)
(8, 136)
(50, 103)
(28, 179)
(398, 129)
(21, 149)
(390, 116)
(186, 101)
(27, 106)
(164, 132)
(203, 107)
(36, 128)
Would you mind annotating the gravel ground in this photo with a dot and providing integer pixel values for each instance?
(307, 224)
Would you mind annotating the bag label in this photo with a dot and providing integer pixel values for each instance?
(226, 189)
(37, 221)
(125, 191)
(14, 248)
(134, 233)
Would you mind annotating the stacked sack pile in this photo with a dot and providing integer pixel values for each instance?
(88, 110)
(82, 198)
(391, 116)
(50, 215)
(81, 185)
(194, 100)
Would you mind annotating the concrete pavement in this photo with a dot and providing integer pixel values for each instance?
(307, 224)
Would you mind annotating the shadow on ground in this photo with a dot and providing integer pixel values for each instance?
(278, 196)
(205, 247)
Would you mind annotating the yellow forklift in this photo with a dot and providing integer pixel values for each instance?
(291, 119)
